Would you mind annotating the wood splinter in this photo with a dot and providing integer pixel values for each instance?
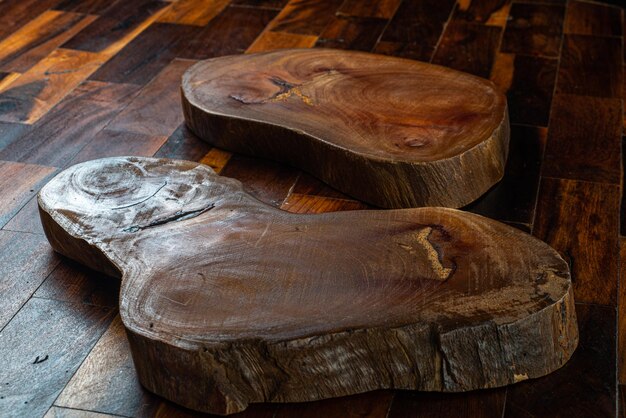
(228, 301)
(389, 131)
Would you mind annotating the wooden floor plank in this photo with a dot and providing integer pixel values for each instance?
(415, 29)
(231, 32)
(371, 405)
(585, 139)
(591, 66)
(56, 412)
(514, 198)
(25, 262)
(71, 125)
(36, 91)
(41, 348)
(487, 12)
(269, 40)
(621, 316)
(580, 220)
(17, 13)
(468, 47)
(585, 18)
(183, 145)
(305, 17)
(476, 404)
(107, 143)
(268, 181)
(146, 55)
(193, 12)
(157, 110)
(71, 282)
(384, 9)
(529, 84)
(10, 132)
(585, 386)
(115, 23)
(39, 37)
(18, 184)
(534, 29)
(26, 219)
(355, 33)
(107, 382)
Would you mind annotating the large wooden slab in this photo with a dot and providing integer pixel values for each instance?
(228, 301)
(392, 132)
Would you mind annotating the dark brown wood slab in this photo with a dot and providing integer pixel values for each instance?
(229, 301)
(392, 132)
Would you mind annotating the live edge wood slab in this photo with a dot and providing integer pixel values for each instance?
(389, 131)
(229, 301)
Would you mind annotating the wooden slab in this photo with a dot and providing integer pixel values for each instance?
(228, 301)
(392, 132)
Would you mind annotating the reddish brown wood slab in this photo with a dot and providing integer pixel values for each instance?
(389, 131)
(229, 301)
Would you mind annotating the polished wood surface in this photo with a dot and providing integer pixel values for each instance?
(319, 306)
(391, 132)
(507, 42)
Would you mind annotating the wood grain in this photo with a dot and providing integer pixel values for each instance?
(585, 18)
(36, 91)
(59, 135)
(468, 47)
(585, 139)
(38, 38)
(488, 12)
(415, 29)
(591, 66)
(183, 145)
(56, 412)
(437, 250)
(25, 262)
(355, 33)
(115, 24)
(483, 404)
(107, 143)
(305, 17)
(155, 111)
(303, 107)
(41, 348)
(580, 220)
(193, 12)
(621, 318)
(570, 392)
(302, 203)
(16, 13)
(384, 9)
(529, 84)
(269, 40)
(534, 29)
(513, 199)
(18, 183)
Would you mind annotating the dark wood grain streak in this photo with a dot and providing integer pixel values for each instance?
(183, 145)
(355, 33)
(305, 17)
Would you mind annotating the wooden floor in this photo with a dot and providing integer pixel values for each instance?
(94, 78)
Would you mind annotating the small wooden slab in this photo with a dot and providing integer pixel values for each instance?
(229, 301)
(388, 131)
